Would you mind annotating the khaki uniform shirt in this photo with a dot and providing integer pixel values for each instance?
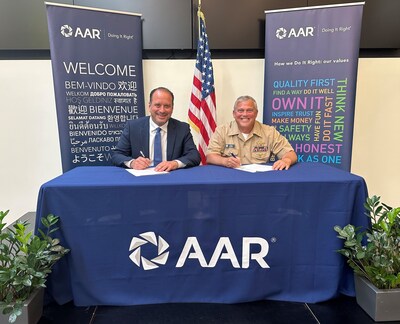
(261, 145)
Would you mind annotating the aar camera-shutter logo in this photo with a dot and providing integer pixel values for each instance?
(281, 33)
(141, 261)
(66, 30)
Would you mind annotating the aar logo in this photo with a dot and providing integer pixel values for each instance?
(282, 33)
(138, 242)
(251, 249)
(92, 33)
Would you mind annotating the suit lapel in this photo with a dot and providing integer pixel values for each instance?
(144, 136)
(171, 139)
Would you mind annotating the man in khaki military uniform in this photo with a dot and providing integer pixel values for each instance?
(246, 141)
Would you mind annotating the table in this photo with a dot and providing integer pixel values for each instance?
(205, 234)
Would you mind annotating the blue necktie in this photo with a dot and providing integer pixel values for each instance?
(157, 147)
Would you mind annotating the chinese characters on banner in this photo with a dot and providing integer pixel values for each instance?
(98, 79)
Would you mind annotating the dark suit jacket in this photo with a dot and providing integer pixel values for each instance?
(135, 138)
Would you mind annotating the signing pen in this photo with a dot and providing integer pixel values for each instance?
(233, 155)
(141, 153)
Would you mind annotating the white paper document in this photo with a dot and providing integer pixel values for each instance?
(145, 172)
(255, 168)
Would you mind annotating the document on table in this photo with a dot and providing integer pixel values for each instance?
(255, 168)
(145, 172)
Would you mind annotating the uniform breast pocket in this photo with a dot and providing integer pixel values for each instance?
(260, 157)
(230, 149)
(260, 152)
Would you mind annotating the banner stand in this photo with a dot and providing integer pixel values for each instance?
(96, 58)
(311, 61)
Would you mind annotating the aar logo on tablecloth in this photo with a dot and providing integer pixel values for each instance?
(192, 250)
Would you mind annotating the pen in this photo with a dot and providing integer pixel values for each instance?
(141, 153)
(233, 155)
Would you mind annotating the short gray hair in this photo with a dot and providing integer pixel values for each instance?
(245, 98)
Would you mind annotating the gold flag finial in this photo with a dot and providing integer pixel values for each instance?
(199, 13)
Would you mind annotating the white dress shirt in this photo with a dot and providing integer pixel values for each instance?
(153, 130)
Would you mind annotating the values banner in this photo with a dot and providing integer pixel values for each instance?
(96, 58)
(311, 61)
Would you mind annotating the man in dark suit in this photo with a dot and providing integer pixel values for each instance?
(135, 148)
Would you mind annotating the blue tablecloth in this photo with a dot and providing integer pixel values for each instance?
(214, 234)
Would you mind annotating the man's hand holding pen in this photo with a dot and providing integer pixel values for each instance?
(140, 163)
(232, 161)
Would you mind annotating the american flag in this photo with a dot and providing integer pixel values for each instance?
(202, 108)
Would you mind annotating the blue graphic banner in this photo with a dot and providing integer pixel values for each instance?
(311, 61)
(96, 59)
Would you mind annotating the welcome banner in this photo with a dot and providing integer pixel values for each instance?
(311, 61)
(96, 59)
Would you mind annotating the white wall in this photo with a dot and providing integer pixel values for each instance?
(376, 153)
(30, 153)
